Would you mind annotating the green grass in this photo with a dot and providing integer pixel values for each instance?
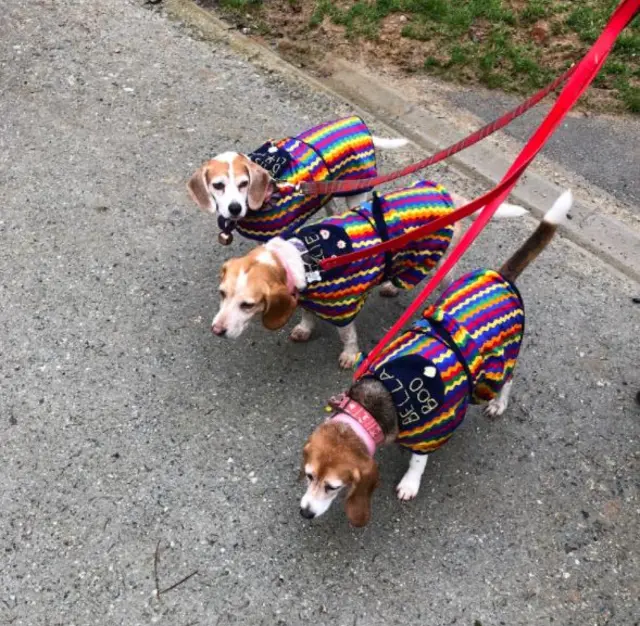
(504, 54)
(506, 57)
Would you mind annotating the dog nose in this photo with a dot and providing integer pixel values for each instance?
(307, 513)
(216, 329)
(235, 209)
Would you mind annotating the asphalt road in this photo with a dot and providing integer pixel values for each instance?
(126, 425)
(604, 150)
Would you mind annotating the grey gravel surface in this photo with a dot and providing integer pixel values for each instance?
(125, 424)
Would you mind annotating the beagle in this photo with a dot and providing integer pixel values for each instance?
(416, 392)
(244, 191)
(273, 279)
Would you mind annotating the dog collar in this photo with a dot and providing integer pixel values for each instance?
(359, 419)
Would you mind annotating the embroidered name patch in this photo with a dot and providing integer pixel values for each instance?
(273, 159)
(415, 385)
(325, 241)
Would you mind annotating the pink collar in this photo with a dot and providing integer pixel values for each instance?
(359, 419)
(291, 282)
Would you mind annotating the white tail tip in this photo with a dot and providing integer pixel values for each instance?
(389, 144)
(560, 209)
(506, 210)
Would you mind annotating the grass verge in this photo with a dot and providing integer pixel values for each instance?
(513, 45)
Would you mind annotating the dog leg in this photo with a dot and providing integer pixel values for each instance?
(498, 405)
(350, 350)
(389, 290)
(303, 329)
(408, 487)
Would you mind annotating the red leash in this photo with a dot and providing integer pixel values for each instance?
(331, 187)
(580, 79)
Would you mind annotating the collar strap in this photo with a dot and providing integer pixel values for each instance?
(361, 421)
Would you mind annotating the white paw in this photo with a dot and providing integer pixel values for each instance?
(408, 487)
(495, 408)
(347, 359)
(300, 333)
(389, 290)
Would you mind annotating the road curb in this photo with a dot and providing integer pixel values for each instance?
(611, 240)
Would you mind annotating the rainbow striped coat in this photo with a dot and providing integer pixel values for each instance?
(463, 350)
(340, 293)
(340, 150)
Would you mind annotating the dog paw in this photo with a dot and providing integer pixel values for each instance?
(300, 334)
(347, 359)
(408, 487)
(495, 408)
(389, 290)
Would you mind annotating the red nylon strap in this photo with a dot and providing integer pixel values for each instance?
(431, 227)
(331, 187)
(575, 87)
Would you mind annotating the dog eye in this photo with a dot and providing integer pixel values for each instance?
(330, 488)
(223, 294)
(310, 477)
(218, 186)
(247, 306)
(243, 185)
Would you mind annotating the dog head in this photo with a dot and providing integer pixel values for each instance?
(230, 184)
(251, 285)
(334, 461)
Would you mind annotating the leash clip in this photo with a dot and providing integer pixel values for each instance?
(293, 189)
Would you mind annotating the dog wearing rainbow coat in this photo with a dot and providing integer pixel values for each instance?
(256, 194)
(274, 279)
(416, 392)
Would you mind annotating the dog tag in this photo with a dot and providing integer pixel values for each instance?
(224, 239)
(313, 277)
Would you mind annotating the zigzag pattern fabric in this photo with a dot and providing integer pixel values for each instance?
(341, 292)
(339, 150)
(479, 318)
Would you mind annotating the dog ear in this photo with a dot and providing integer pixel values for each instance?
(279, 307)
(197, 188)
(358, 504)
(303, 462)
(260, 186)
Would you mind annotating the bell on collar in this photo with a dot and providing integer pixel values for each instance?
(224, 239)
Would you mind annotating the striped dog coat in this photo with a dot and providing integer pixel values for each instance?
(340, 150)
(463, 350)
(337, 295)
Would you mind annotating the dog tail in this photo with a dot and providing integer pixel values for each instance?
(539, 239)
(388, 144)
(505, 211)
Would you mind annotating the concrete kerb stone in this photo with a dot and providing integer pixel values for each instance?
(609, 239)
